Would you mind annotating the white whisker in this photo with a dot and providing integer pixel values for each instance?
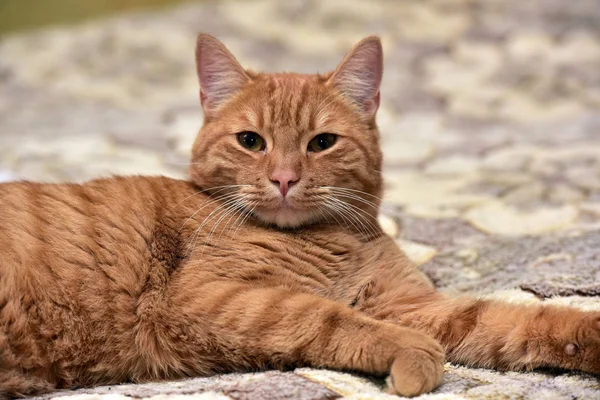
(219, 209)
(233, 206)
(357, 198)
(248, 214)
(225, 196)
(360, 219)
(244, 212)
(351, 190)
(352, 213)
(365, 216)
(341, 212)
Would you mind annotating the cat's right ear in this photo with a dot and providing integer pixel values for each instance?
(221, 76)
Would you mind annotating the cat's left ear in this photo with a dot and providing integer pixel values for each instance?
(358, 77)
(221, 76)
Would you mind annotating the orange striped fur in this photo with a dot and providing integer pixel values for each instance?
(147, 278)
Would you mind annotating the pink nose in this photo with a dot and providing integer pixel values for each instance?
(285, 179)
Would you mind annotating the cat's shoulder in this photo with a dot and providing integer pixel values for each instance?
(120, 192)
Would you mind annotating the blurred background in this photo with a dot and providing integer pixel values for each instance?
(490, 110)
(30, 14)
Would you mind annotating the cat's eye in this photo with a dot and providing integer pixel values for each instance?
(251, 141)
(322, 142)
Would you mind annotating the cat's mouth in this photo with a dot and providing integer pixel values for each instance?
(285, 214)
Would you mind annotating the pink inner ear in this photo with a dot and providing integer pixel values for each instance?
(358, 77)
(219, 73)
(375, 103)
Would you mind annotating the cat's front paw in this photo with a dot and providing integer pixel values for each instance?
(581, 349)
(418, 369)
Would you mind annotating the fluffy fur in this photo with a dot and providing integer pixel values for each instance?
(147, 278)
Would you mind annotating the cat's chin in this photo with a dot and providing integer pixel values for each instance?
(286, 218)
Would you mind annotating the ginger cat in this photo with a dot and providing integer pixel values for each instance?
(269, 257)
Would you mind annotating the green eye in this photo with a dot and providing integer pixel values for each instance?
(251, 140)
(322, 142)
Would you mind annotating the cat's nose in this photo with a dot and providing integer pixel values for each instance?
(285, 179)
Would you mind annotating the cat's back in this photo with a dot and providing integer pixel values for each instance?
(65, 227)
(68, 238)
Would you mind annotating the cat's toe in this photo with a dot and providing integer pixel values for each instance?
(571, 349)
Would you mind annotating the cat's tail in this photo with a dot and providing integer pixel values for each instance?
(14, 382)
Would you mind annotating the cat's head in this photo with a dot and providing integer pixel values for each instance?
(292, 149)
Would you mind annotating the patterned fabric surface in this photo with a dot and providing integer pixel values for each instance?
(491, 129)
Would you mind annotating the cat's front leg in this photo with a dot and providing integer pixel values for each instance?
(228, 326)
